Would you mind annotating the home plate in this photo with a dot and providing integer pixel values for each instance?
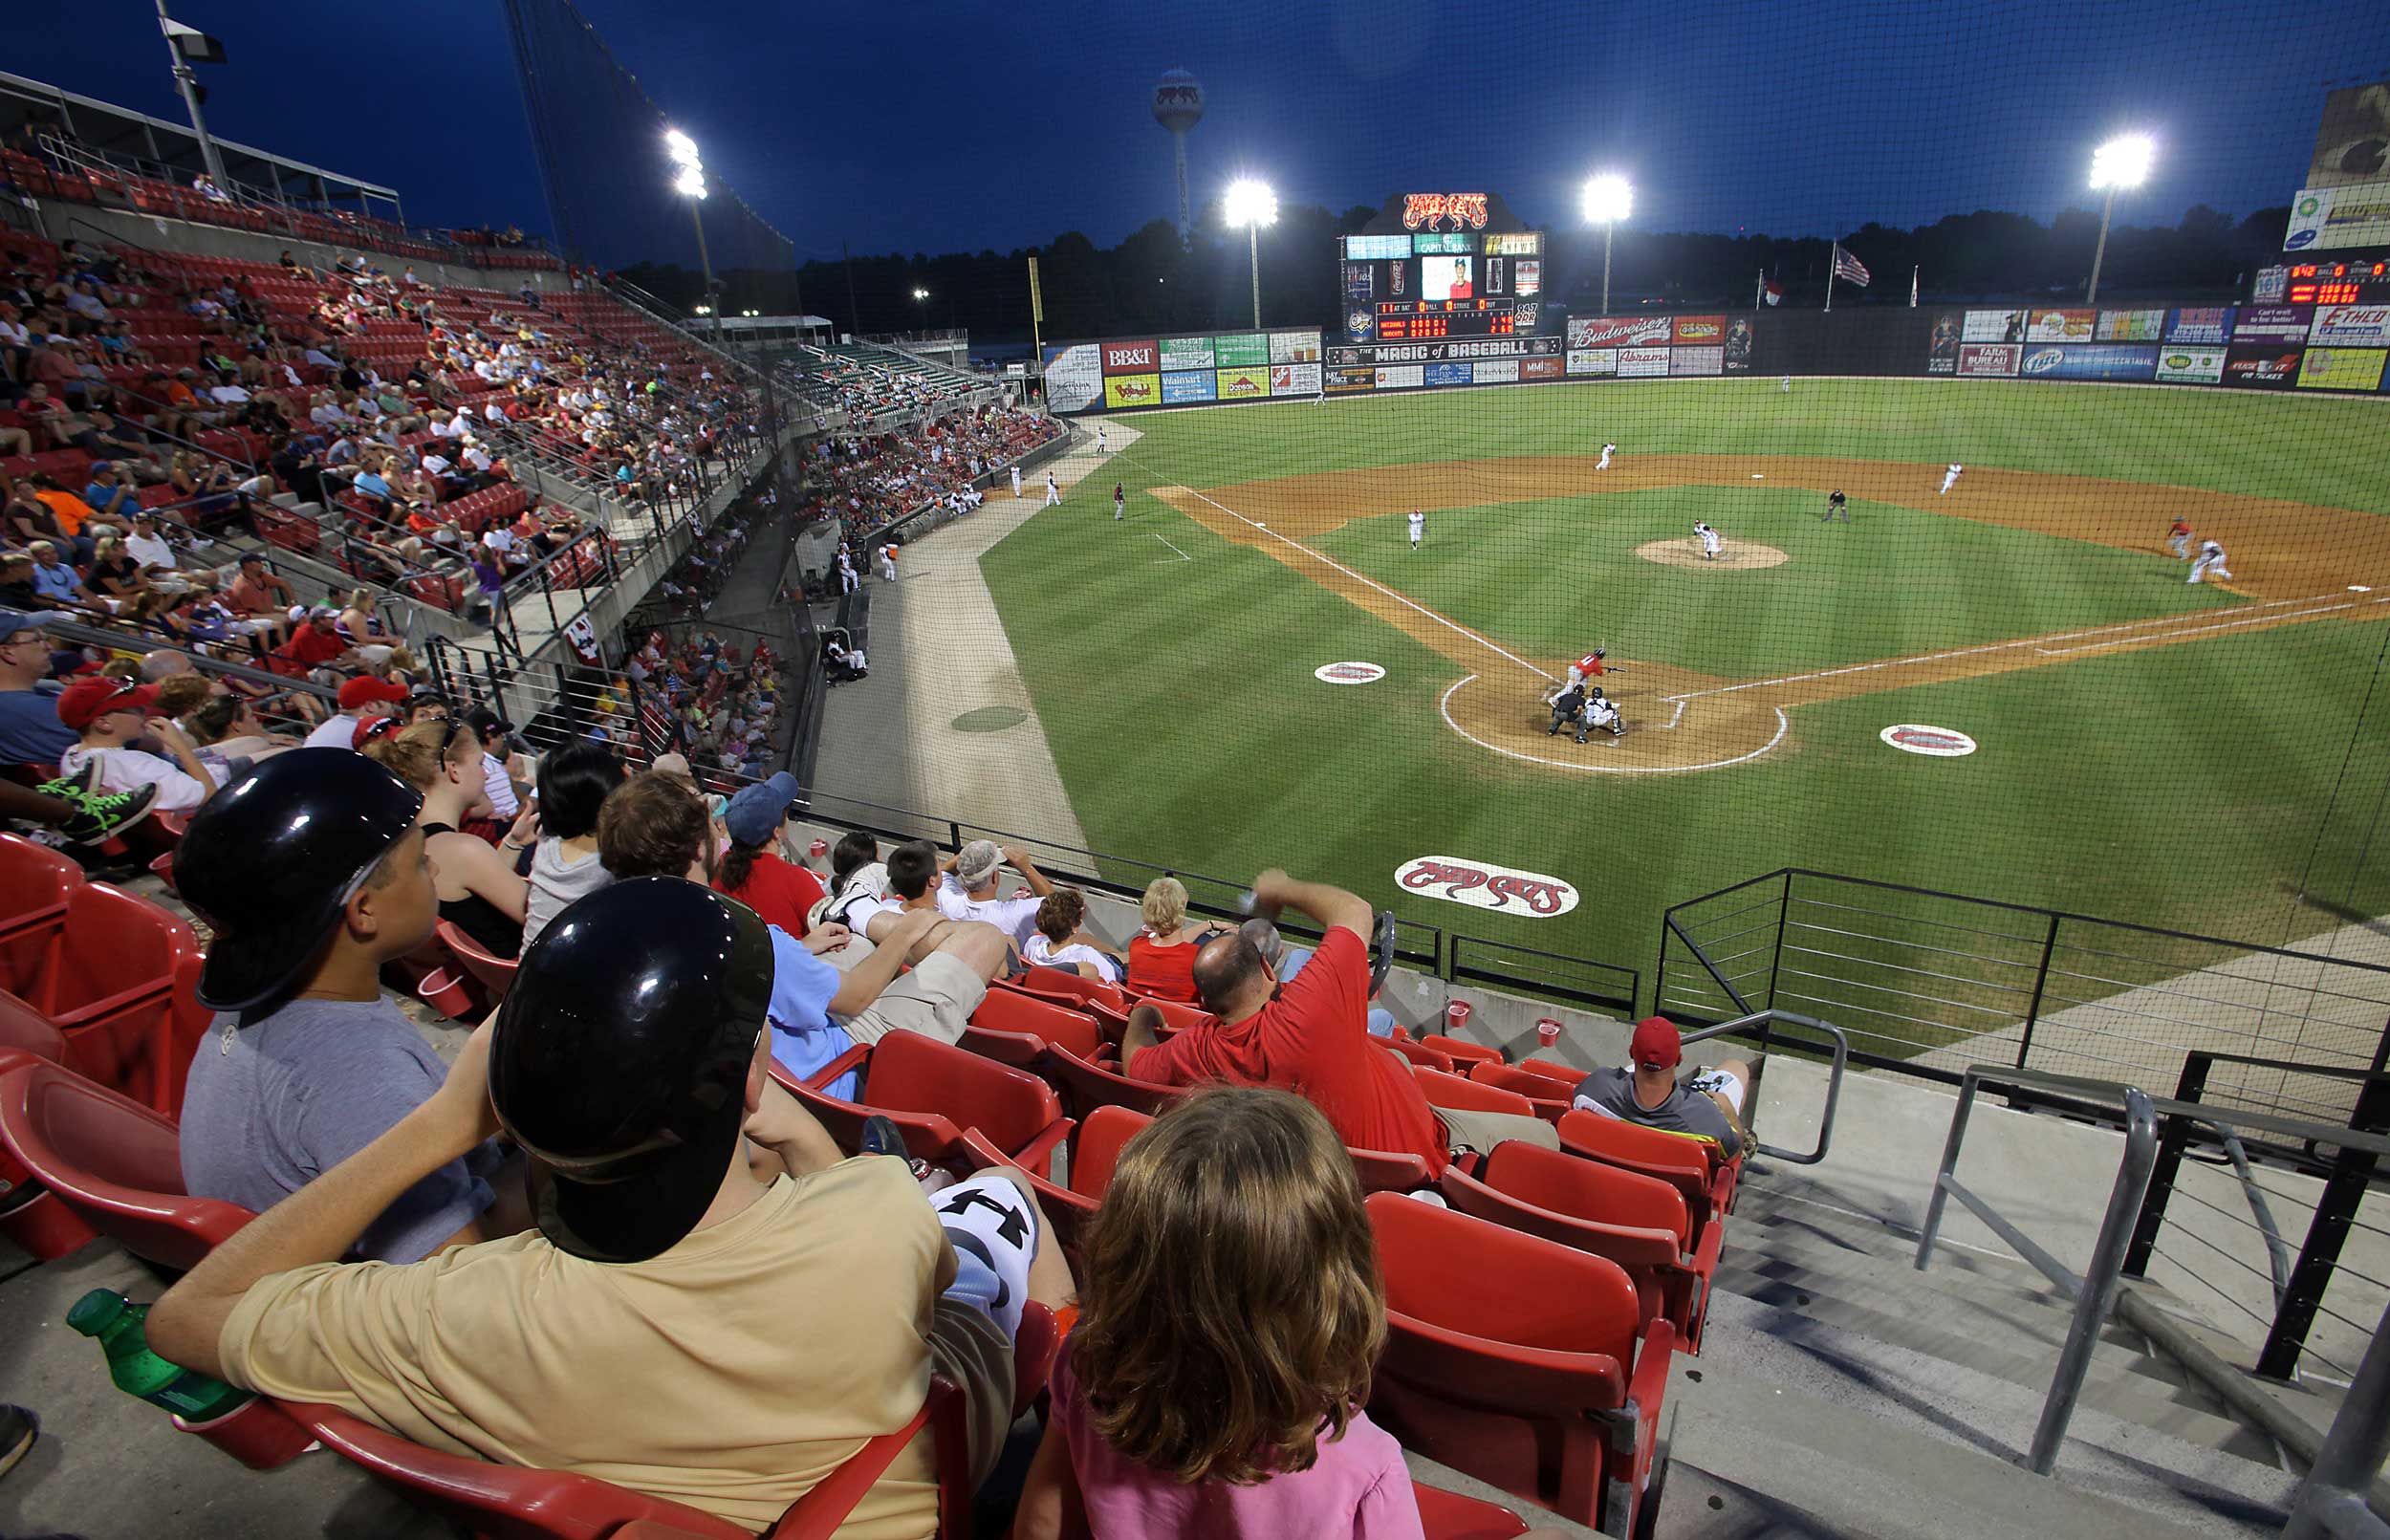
(1756, 476)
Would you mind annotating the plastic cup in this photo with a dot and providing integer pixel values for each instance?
(817, 849)
(1456, 1015)
(1547, 1032)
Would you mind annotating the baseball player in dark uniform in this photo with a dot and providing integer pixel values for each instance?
(1837, 507)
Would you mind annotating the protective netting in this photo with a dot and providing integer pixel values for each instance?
(603, 163)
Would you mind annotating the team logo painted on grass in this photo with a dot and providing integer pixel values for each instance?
(1481, 886)
(1348, 673)
(1939, 742)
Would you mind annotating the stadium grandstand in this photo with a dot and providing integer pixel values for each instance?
(603, 919)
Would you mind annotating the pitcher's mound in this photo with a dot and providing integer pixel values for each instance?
(1738, 557)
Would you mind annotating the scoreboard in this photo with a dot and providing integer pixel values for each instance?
(1428, 285)
(2337, 283)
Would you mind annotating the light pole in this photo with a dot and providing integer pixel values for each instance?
(2120, 164)
(1608, 200)
(1253, 204)
(690, 184)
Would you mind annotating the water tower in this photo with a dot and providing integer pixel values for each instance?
(1178, 106)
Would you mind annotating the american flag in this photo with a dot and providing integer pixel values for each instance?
(1849, 268)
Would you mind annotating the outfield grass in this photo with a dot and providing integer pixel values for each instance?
(2196, 786)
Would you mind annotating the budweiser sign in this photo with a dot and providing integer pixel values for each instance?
(1428, 210)
(1481, 886)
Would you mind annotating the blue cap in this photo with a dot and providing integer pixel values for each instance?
(757, 811)
(13, 621)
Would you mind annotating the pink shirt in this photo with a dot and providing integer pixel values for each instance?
(1359, 1488)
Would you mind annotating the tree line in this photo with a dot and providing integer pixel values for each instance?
(1153, 283)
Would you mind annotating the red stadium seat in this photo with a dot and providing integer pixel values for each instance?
(1542, 1092)
(1008, 1010)
(120, 979)
(1515, 1360)
(115, 1163)
(1389, 1171)
(496, 974)
(1444, 1090)
(1057, 984)
(35, 882)
(30, 1214)
(1449, 1516)
(1090, 1085)
(1638, 1222)
(1678, 1159)
(1426, 1057)
(935, 1091)
(1095, 1150)
(1461, 1050)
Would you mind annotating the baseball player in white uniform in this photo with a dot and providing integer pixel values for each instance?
(2210, 559)
(1053, 493)
(887, 562)
(1711, 544)
(1101, 444)
(1788, 384)
(1419, 529)
(1016, 481)
(1607, 450)
(1950, 479)
(1600, 711)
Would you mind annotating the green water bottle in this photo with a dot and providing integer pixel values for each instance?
(116, 1322)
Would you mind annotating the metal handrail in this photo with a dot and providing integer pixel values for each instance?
(2333, 1499)
(1762, 1024)
(2094, 1291)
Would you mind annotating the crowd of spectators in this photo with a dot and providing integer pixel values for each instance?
(869, 481)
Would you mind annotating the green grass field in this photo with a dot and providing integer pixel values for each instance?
(2197, 785)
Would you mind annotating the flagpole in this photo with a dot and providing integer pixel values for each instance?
(190, 98)
(1912, 287)
(1833, 260)
(1759, 289)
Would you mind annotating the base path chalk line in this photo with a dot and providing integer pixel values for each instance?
(2034, 642)
(1371, 583)
(1784, 725)
(1174, 550)
(2220, 625)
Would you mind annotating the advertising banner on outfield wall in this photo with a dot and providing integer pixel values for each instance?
(1700, 331)
(1741, 334)
(2261, 368)
(1348, 380)
(1244, 348)
(2351, 326)
(2191, 366)
(1295, 347)
(1942, 345)
(1496, 371)
(1619, 331)
(1993, 326)
(1075, 376)
(1245, 384)
(1132, 390)
(1187, 353)
(1696, 360)
(1643, 364)
(2061, 325)
(1984, 359)
(1193, 386)
(1401, 377)
(2332, 219)
(2097, 361)
(2208, 326)
(1295, 379)
(2341, 368)
(2131, 325)
(1592, 360)
(1448, 374)
(1540, 368)
(2273, 323)
(1132, 357)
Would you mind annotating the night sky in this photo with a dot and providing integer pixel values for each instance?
(952, 124)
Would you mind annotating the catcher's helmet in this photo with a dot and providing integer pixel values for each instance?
(1597, 692)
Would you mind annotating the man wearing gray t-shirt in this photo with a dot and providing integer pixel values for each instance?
(1707, 1105)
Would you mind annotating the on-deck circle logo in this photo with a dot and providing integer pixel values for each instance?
(1484, 886)
(1938, 743)
(1348, 673)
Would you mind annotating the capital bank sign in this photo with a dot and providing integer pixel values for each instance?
(1428, 210)
(1482, 886)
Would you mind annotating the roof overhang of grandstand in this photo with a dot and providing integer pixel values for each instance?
(122, 131)
(764, 323)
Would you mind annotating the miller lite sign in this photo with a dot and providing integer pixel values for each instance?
(1484, 886)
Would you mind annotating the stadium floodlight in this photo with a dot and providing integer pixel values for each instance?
(1608, 199)
(1253, 204)
(921, 296)
(681, 148)
(690, 183)
(2118, 165)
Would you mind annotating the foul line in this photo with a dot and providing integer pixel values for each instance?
(1371, 582)
(2003, 646)
(2221, 626)
(1443, 705)
(1174, 550)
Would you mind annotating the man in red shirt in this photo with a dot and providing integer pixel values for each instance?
(314, 646)
(1312, 1036)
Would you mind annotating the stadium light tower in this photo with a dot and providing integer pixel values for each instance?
(690, 184)
(2120, 164)
(1608, 200)
(1253, 204)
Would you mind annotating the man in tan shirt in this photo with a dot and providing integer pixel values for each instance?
(716, 1309)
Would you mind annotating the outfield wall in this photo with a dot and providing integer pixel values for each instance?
(2330, 349)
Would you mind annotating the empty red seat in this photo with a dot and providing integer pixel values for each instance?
(1461, 1050)
(1090, 1085)
(1389, 1170)
(936, 1091)
(1638, 1222)
(120, 978)
(1547, 1097)
(1517, 1360)
(1418, 1054)
(30, 1214)
(496, 973)
(34, 882)
(1095, 1150)
(1057, 983)
(1008, 1010)
(115, 1163)
(1444, 1090)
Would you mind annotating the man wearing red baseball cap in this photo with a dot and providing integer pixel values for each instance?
(109, 714)
(363, 699)
(1707, 1104)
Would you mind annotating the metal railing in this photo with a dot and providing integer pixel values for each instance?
(1927, 982)
(2095, 1290)
(1760, 1026)
(2333, 1498)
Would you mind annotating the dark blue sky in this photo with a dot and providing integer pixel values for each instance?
(967, 124)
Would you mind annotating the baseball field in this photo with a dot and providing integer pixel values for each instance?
(2196, 756)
